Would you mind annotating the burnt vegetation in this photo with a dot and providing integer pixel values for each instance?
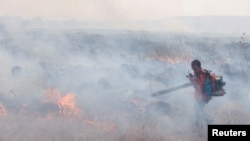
(101, 83)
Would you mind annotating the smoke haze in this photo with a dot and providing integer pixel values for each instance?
(64, 82)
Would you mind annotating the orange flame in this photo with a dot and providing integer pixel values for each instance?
(3, 111)
(140, 103)
(176, 60)
(68, 108)
(169, 58)
(66, 104)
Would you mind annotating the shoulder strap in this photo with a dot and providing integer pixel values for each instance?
(208, 73)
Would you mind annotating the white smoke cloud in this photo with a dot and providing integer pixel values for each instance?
(112, 74)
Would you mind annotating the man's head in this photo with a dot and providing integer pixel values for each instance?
(196, 65)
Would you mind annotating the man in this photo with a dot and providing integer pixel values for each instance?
(202, 99)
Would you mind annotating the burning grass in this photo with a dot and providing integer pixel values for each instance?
(18, 128)
(2, 110)
(66, 104)
(69, 122)
(169, 56)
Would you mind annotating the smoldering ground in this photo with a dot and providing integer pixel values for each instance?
(59, 84)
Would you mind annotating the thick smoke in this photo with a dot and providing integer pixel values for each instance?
(108, 77)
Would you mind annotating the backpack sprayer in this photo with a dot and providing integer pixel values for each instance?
(213, 85)
(219, 83)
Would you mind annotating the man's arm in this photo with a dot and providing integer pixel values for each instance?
(194, 81)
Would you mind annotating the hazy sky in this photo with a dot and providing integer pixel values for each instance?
(119, 10)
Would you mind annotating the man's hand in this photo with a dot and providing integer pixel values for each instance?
(193, 80)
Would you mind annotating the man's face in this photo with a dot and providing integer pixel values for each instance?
(195, 68)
